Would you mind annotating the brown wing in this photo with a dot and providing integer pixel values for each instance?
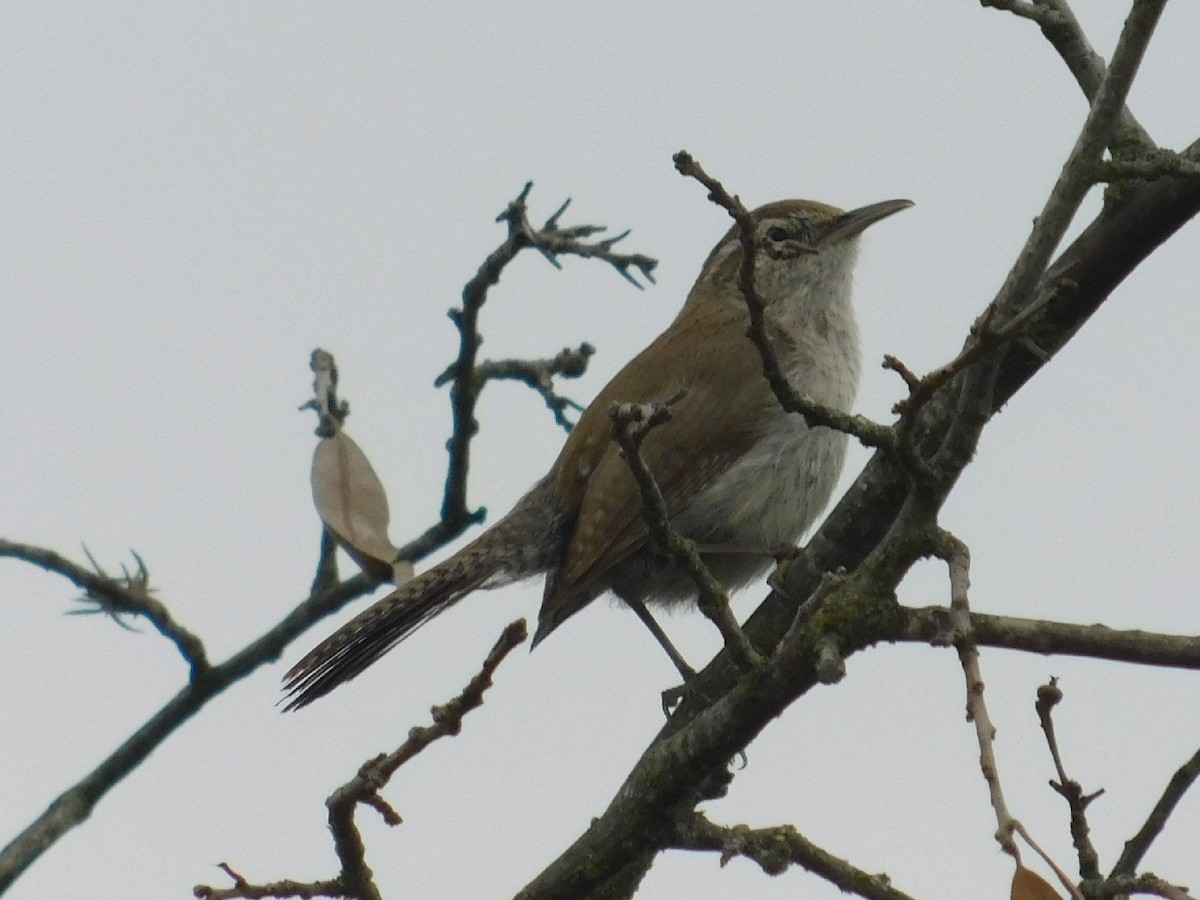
(700, 356)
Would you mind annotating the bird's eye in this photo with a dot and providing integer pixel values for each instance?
(777, 234)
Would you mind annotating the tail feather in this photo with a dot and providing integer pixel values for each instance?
(523, 543)
(372, 633)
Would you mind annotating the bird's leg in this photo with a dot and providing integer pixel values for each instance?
(661, 636)
(671, 697)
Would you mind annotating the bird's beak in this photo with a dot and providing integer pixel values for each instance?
(851, 223)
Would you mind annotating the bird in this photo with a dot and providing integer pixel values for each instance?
(740, 476)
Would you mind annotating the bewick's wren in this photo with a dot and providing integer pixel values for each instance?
(741, 477)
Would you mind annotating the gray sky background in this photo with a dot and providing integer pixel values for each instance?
(193, 196)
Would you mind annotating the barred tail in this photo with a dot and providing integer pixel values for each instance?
(377, 629)
(525, 542)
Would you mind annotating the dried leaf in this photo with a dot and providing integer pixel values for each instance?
(352, 503)
(1029, 885)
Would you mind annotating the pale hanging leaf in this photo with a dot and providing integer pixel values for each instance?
(1029, 885)
(353, 505)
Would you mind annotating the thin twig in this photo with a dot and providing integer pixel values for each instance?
(244, 890)
(1023, 8)
(374, 774)
(550, 241)
(131, 593)
(1062, 29)
(1122, 886)
(538, 374)
(985, 338)
(958, 560)
(331, 411)
(935, 625)
(1062, 876)
(77, 802)
(1077, 175)
(957, 557)
(356, 879)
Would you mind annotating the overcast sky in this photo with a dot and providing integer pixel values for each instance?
(194, 196)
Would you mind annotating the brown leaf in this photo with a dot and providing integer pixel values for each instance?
(1028, 885)
(351, 501)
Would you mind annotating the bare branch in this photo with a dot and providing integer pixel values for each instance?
(130, 593)
(1136, 847)
(774, 849)
(985, 338)
(447, 722)
(538, 374)
(1062, 29)
(631, 423)
(935, 625)
(331, 411)
(1147, 883)
(1048, 696)
(243, 889)
(958, 560)
(1077, 173)
(1026, 9)
(551, 241)
(1148, 166)
(76, 803)
(975, 400)
(373, 775)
